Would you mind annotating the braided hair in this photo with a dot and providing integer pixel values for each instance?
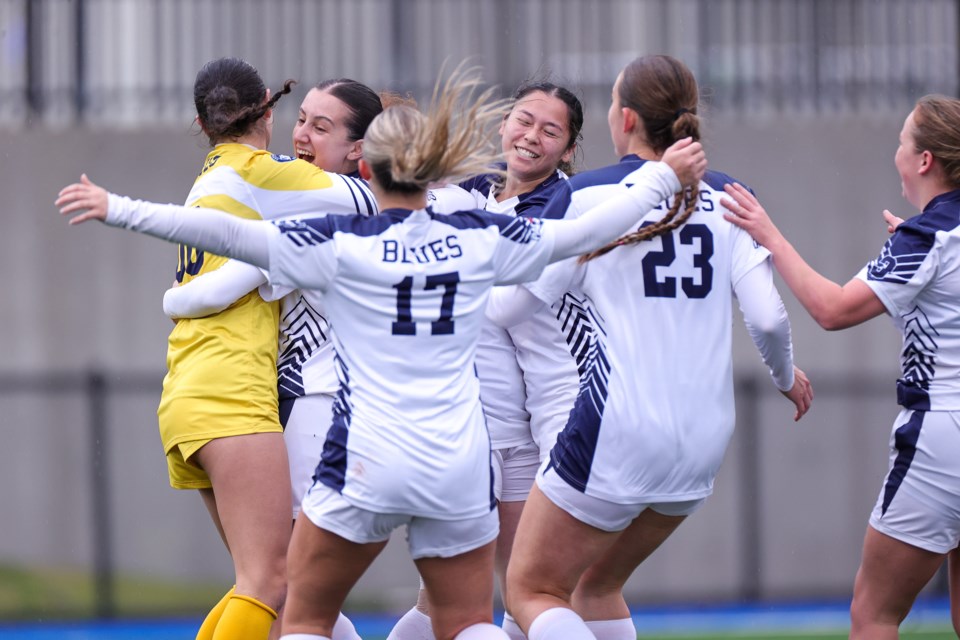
(663, 92)
(230, 98)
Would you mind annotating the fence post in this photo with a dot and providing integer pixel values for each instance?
(104, 604)
(751, 552)
(80, 60)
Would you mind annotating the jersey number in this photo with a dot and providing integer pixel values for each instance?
(667, 288)
(190, 262)
(404, 324)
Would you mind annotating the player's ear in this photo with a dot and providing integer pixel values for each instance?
(364, 169)
(356, 151)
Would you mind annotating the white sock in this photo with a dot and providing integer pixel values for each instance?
(302, 636)
(511, 628)
(621, 629)
(414, 625)
(343, 629)
(482, 631)
(561, 624)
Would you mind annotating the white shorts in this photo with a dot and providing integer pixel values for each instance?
(426, 537)
(515, 469)
(305, 427)
(599, 513)
(919, 503)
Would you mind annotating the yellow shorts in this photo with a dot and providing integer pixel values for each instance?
(187, 424)
(184, 472)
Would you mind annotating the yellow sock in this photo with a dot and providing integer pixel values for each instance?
(210, 622)
(245, 618)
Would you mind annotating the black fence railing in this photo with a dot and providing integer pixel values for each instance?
(131, 63)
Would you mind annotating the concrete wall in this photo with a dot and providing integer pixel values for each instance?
(81, 297)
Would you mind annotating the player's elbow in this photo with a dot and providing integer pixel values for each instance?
(831, 321)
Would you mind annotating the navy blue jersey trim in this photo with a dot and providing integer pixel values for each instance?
(358, 185)
(917, 360)
(332, 469)
(286, 408)
(905, 440)
(346, 181)
(572, 455)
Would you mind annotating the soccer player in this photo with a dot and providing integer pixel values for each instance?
(408, 445)
(328, 133)
(915, 523)
(529, 380)
(218, 413)
(638, 454)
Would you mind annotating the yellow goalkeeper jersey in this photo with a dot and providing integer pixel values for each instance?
(222, 369)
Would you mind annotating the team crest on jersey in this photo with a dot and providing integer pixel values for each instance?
(209, 164)
(279, 157)
(888, 267)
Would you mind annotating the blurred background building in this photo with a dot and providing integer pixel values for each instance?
(803, 101)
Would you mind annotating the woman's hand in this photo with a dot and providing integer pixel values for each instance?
(892, 221)
(800, 394)
(688, 161)
(83, 196)
(746, 213)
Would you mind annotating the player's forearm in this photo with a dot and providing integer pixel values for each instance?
(820, 296)
(206, 229)
(606, 222)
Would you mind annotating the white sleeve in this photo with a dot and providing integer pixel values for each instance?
(206, 229)
(212, 292)
(511, 305)
(767, 322)
(450, 198)
(606, 222)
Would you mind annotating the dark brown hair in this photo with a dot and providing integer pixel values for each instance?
(230, 98)
(663, 92)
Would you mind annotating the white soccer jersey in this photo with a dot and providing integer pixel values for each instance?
(656, 409)
(528, 377)
(406, 292)
(917, 277)
(305, 362)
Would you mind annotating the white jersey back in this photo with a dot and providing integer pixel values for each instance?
(406, 292)
(305, 360)
(656, 409)
(917, 277)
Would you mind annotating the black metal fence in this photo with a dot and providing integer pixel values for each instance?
(131, 63)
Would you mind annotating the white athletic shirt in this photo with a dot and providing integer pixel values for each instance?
(917, 278)
(656, 408)
(505, 383)
(305, 355)
(406, 291)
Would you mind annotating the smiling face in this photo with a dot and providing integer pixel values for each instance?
(536, 136)
(321, 136)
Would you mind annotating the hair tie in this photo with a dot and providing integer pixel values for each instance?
(679, 112)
